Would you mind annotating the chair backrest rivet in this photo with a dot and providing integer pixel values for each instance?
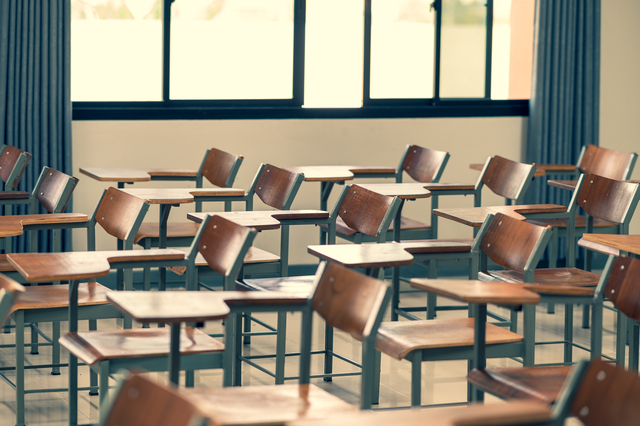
(584, 411)
(601, 376)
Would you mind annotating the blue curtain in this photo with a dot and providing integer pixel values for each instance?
(35, 101)
(564, 109)
(565, 101)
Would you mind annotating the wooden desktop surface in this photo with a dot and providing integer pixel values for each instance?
(363, 255)
(78, 265)
(475, 216)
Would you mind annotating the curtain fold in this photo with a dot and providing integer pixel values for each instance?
(35, 96)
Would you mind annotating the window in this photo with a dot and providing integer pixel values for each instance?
(164, 59)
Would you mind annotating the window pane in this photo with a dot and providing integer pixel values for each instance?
(463, 51)
(334, 53)
(512, 52)
(402, 38)
(117, 50)
(232, 49)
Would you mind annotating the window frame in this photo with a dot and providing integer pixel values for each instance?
(169, 109)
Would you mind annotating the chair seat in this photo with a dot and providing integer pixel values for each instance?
(416, 247)
(557, 281)
(57, 296)
(13, 195)
(296, 285)
(95, 346)
(397, 339)
(548, 277)
(541, 384)
(405, 225)
(174, 230)
(581, 222)
(254, 255)
(260, 405)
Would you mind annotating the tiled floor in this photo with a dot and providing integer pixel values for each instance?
(443, 382)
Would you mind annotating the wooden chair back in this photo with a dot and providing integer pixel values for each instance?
(120, 214)
(13, 161)
(277, 187)
(623, 286)
(607, 394)
(54, 189)
(608, 199)
(349, 301)
(220, 168)
(514, 244)
(424, 165)
(143, 402)
(223, 244)
(507, 178)
(8, 293)
(607, 162)
(365, 211)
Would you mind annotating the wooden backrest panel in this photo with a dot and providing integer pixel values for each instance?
(142, 402)
(8, 160)
(605, 162)
(221, 242)
(422, 163)
(605, 198)
(117, 212)
(364, 210)
(273, 185)
(52, 188)
(510, 242)
(217, 166)
(348, 300)
(608, 395)
(505, 177)
(623, 286)
(8, 290)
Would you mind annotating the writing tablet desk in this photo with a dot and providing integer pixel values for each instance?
(177, 307)
(124, 176)
(570, 185)
(541, 169)
(475, 216)
(81, 266)
(14, 225)
(329, 175)
(611, 243)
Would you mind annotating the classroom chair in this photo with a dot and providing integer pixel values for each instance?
(275, 187)
(52, 191)
(223, 245)
(364, 211)
(422, 165)
(599, 161)
(13, 162)
(438, 339)
(220, 169)
(503, 177)
(619, 283)
(602, 198)
(346, 299)
(120, 215)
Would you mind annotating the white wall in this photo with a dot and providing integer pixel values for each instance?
(181, 144)
(619, 87)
